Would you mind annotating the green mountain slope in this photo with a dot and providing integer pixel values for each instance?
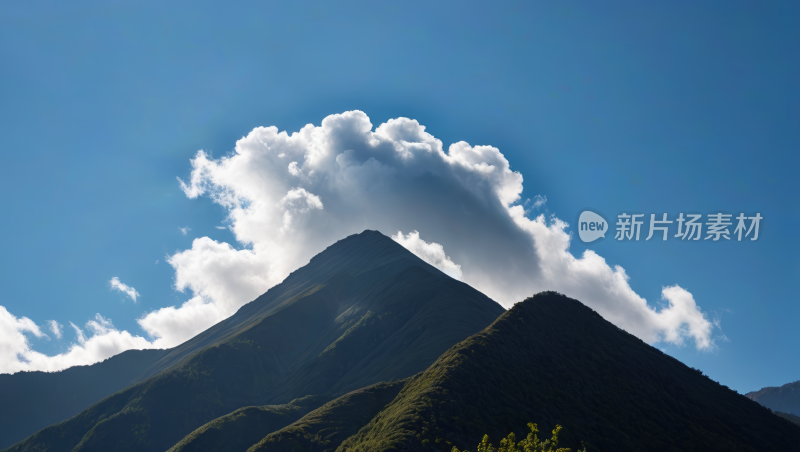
(552, 360)
(238, 430)
(784, 398)
(30, 401)
(320, 430)
(365, 310)
(325, 428)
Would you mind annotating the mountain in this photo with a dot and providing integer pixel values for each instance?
(245, 426)
(785, 398)
(551, 360)
(320, 430)
(30, 401)
(363, 311)
(325, 428)
(789, 417)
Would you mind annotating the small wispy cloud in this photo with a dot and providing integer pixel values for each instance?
(79, 333)
(185, 230)
(156, 261)
(221, 227)
(56, 328)
(124, 288)
(539, 201)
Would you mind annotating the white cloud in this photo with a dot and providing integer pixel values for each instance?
(105, 341)
(539, 201)
(221, 227)
(124, 288)
(56, 328)
(185, 230)
(288, 196)
(432, 253)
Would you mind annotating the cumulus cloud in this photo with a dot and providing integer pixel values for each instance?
(103, 341)
(288, 196)
(432, 253)
(116, 284)
(56, 328)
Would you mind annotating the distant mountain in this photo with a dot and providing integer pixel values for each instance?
(785, 398)
(551, 360)
(364, 310)
(30, 401)
(789, 417)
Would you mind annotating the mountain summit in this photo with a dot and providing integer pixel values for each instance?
(363, 311)
(552, 360)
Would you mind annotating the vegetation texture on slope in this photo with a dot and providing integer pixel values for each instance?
(323, 429)
(236, 431)
(363, 311)
(556, 361)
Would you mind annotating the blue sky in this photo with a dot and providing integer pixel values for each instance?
(622, 107)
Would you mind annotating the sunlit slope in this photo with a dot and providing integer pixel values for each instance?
(323, 429)
(320, 430)
(365, 310)
(238, 430)
(552, 360)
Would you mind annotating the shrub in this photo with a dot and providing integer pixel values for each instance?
(529, 444)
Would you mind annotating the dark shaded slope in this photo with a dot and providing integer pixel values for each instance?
(30, 401)
(789, 417)
(323, 429)
(784, 398)
(350, 256)
(308, 343)
(394, 330)
(238, 430)
(552, 360)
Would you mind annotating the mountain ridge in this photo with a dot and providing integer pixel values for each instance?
(784, 398)
(30, 401)
(552, 360)
(366, 284)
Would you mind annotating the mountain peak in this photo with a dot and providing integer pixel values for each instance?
(552, 360)
(359, 252)
(363, 311)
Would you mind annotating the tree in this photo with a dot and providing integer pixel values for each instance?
(529, 444)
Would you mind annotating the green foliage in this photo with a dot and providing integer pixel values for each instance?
(553, 359)
(530, 444)
(238, 430)
(401, 315)
(323, 429)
